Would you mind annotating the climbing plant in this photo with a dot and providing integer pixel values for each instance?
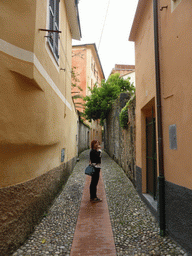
(123, 116)
(99, 103)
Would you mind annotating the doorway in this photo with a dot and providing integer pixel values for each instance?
(151, 155)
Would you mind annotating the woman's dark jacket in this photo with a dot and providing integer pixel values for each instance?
(95, 156)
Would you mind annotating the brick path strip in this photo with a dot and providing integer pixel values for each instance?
(93, 233)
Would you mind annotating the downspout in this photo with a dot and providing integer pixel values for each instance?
(161, 179)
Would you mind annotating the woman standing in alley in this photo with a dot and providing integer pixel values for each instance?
(95, 160)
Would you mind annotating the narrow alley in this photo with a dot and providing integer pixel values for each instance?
(119, 225)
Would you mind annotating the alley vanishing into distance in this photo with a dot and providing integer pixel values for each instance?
(119, 225)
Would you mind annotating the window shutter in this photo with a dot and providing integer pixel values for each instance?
(54, 25)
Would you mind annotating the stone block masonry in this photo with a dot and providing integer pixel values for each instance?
(120, 143)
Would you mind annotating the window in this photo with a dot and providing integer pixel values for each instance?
(54, 25)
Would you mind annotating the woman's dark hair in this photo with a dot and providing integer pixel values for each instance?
(93, 142)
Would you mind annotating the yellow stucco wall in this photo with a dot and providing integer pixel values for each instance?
(176, 66)
(38, 117)
(18, 23)
(145, 80)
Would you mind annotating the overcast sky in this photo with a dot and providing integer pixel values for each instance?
(112, 44)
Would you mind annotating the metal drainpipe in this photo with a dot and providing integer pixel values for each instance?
(161, 179)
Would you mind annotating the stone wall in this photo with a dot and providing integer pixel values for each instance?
(22, 206)
(120, 143)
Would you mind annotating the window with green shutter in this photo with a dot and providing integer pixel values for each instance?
(54, 25)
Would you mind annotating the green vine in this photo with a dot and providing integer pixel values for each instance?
(123, 116)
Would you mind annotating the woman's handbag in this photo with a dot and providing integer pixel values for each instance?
(89, 170)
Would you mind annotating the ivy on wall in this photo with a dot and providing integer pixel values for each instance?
(99, 103)
(123, 116)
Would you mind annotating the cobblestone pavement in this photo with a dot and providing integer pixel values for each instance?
(135, 229)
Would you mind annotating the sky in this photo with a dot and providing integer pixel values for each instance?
(107, 23)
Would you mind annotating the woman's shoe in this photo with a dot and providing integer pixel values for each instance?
(96, 200)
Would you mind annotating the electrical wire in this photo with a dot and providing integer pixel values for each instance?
(104, 24)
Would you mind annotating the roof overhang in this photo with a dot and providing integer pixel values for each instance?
(73, 18)
(140, 7)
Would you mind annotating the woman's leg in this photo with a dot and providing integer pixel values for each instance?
(93, 185)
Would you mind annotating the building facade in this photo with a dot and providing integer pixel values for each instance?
(38, 121)
(162, 34)
(125, 71)
(88, 71)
